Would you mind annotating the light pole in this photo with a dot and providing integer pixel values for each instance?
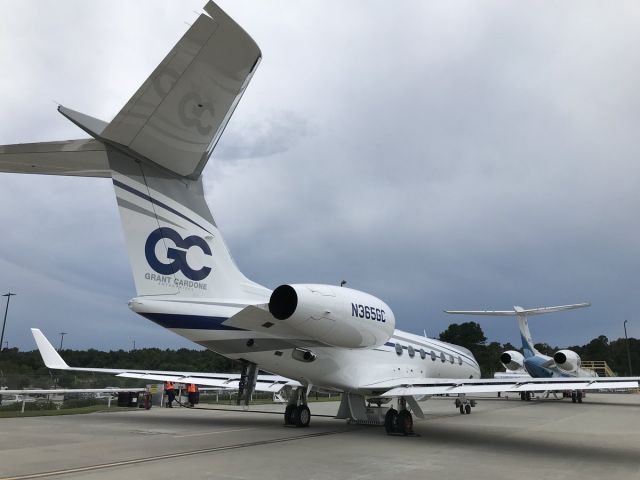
(8, 295)
(628, 353)
(62, 334)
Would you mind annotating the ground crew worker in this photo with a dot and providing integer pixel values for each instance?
(170, 393)
(191, 391)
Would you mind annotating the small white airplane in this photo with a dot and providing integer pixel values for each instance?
(310, 336)
(563, 364)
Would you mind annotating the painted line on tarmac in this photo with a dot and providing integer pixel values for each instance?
(214, 432)
(102, 466)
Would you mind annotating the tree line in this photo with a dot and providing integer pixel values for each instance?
(26, 369)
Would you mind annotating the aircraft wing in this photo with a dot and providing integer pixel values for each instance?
(264, 383)
(441, 386)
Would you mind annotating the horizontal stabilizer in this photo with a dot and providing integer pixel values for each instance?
(519, 310)
(83, 158)
(178, 114)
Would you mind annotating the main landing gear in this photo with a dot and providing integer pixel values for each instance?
(526, 396)
(399, 422)
(464, 405)
(297, 413)
(576, 396)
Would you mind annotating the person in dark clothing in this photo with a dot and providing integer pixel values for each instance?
(170, 392)
(192, 391)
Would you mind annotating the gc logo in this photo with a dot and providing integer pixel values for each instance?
(178, 257)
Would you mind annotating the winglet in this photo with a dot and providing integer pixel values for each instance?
(49, 355)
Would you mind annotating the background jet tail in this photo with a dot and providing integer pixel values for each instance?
(528, 349)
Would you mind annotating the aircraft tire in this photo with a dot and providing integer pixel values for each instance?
(467, 409)
(462, 409)
(391, 421)
(405, 422)
(302, 416)
(288, 414)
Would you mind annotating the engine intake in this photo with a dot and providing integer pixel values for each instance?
(337, 316)
(512, 360)
(567, 360)
(283, 302)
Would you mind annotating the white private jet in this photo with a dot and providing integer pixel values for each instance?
(310, 336)
(563, 364)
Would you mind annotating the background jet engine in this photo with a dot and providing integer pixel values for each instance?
(567, 360)
(512, 360)
(336, 316)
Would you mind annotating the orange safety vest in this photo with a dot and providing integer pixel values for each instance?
(191, 388)
(168, 386)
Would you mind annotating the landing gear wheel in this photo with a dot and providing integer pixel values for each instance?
(467, 409)
(288, 415)
(462, 409)
(522, 395)
(391, 421)
(301, 416)
(405, 422)
(574, 398)
(579, 395)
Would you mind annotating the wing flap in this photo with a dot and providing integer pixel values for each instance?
(487, 386)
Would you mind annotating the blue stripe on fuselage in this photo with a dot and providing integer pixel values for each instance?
(189, 322)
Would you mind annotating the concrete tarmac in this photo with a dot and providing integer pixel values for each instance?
(500, 439)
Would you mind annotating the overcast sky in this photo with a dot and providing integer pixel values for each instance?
(439, 155)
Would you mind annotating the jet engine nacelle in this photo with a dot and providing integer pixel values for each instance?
(567, 360)
(336, 316)
(512, 360)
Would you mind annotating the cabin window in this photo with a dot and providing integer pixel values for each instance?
(398, 349)
(451, 359)
(433, 355)
(411, 351)
(443, 357)
(423, 354)
(459, 360)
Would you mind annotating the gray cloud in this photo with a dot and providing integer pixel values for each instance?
(438, 155)
(275, 133)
